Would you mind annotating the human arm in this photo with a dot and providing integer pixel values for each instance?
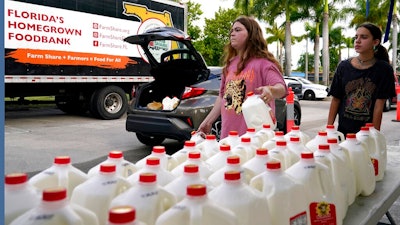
(269, 93)
(333, 110)
(215, 112)
(378, 111)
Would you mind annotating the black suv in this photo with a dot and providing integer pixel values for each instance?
(179, 71)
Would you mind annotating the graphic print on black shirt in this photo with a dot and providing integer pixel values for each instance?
(359, 99)
(235, 92)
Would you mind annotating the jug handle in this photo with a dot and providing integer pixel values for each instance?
(196, 215)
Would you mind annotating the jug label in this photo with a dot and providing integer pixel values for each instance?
(299, 219)
(375, 162)
(322, 213)
(149, 194)
(41, 217)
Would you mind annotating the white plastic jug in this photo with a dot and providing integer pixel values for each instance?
(380, 143)
(97, 192)
(249, 205)
(297, 147)
(256, 140)
(296, 132)
(123, 215)
(197, 209)
(55, 208)
(320, 138)
(346, 168)
(364, 136)
(61, 173)
(197, 137)
(124, 167)
(286, 199)
(218, 160)
(265, 133)
(232, 139)
(158, 151)
(244, 149)
(283, 154)
(190, 175)
(19, 196)
(181, 155)
(361, 163)
(256, 112)
(209, 146)
(153, 166)
(256, 165)
(271, 143)
(232, 164)
(319, 190)
(195, 158)
(334, 133)
(148, 197)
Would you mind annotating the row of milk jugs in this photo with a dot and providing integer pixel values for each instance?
(262, 177)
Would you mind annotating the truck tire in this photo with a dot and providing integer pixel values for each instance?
(70, 104)
(149, 140)
(108, 103)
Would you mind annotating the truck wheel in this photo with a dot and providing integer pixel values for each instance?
(149, 140)
(109, 103)
(70, 105)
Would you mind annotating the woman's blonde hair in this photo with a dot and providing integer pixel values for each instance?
(256, 46)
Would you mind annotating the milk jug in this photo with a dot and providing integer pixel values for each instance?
(158, 151)
(346, 169)
(19, 196)
(61, 173)
(232, 163)
(281, 153)
(286, 199)
(265, 133)
(296, 132)
(189, 176)
(181, 155)
(320, 138)
(97, 192)
(153, 166)
(197, 209)
(55, 208)
(197, 137)
(245, 149)
(319, 190)
(232, 139)
(256, 112)
(123, 215)
(249, 205)
(324, 156)
(256, 140)
(209, 146)
(271, 143)
(218, 160)
(361, 163)
(333, 133)
(148, 197)
(364, 136)
(194, 157)
(124, 167)
(297, 147)
(256, 165)
(380, 143)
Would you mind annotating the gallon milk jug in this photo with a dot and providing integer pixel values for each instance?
(244, 149)
(197, 137)
(232, 139)
(19, 196)
(320, 138)
(281, 153)
(265, 133)
(297, 147)
(153, 166)
(345, 167)
(209, 146)
(333, 133)
(197, 209)
(361, 163)
(286, 199)
(271, 143)
(97, 192)
(124, 167)
(232, 163)
(256, 165)
(256, 140)
(319, 191)
(364, 136)
(148, 197)
(55, 208)
(296, 132)
(256, 112)
(61, 173)
(181, 155)
(189, 176)
(158, 151)
(339, 180)
(123, 215)
(248, 204)
(218, 160)
(194, 157)
(380, 142)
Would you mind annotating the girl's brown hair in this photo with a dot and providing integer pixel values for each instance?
(256, 46)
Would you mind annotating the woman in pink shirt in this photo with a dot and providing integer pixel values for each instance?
(249, 66)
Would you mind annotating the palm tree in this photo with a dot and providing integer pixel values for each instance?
(278, 36)
(349, 43)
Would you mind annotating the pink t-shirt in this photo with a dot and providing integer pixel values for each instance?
(258, 72)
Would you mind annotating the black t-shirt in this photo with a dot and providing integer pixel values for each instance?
(358, 90)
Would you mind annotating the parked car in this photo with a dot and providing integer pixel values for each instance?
(391, 101)
(179, 71)
(311, 91)
(296, 86)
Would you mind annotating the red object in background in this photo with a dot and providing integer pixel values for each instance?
(290, 110)
(397, 104)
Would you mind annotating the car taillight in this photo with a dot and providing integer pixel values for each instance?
(191, 92)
